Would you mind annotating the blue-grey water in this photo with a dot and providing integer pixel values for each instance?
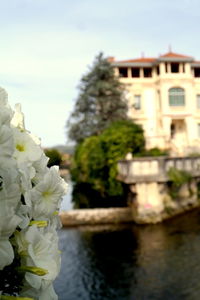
(160, 262)
(66, 203)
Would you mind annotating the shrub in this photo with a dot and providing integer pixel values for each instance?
(177, 179)
(95, 159)
(156, 152)
(152, 152)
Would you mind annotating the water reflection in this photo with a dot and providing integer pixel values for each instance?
(132, 262)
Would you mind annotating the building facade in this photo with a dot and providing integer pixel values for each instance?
(163, 95)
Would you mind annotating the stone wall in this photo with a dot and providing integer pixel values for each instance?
(78, 217)
(154, 202)
(153, 195)
(145, 215)
(147, 211)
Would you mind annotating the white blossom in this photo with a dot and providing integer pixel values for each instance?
(18, 118)
(30, 195)
(39, 248)
(26, 150)
(6, 253)
(8, 224)
(47, 194)
(6, 141)
(41, 168)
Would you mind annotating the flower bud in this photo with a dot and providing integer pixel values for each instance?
(33, 270)
(4, 297)
(39, 223)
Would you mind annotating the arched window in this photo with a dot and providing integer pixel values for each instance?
(176, 97)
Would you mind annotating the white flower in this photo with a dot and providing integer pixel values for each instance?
(8, 220)
(18, 118)
(26, 150)
(6, 253)
(41, 168)
(5, 115)
(48, 293)
(30, 194)
(39, 248)
(6, 112)
(47, 194)
(6, 141)
(8, 224)
(3, 97)
(10, 193)
(24, 212)
(27, 172)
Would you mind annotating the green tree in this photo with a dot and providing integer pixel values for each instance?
(100, 102)
(95, 160)
(89, 162)
(55, 157)
(117, 140)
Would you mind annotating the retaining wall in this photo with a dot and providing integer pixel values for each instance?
(95, 216)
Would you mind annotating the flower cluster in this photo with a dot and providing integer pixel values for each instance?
(30, 196)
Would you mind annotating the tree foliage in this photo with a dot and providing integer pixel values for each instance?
(55, 157)
(153, 152)
(95, 160)
(100, 101)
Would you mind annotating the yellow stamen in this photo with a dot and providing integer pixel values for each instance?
(46, 194)
(20, 148)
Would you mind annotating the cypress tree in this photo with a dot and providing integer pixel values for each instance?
(100, 101)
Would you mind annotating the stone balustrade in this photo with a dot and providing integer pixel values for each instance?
(154, 169)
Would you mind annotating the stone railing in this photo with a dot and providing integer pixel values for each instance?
(148, 169)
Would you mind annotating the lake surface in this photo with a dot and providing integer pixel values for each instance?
(160, 262)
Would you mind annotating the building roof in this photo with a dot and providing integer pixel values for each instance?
(172, 54)
(149, 61)
(140, 60)
(175, 57)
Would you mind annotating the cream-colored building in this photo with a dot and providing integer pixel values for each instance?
(164, 97)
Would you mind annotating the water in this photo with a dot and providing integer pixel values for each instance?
(66, 203)
(160, 262)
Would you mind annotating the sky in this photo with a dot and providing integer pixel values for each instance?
(47, 45)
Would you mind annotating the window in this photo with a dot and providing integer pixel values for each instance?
(135, 72)
(183, 68)
(172, 130)
(174, 67)
(198, 101)
(137, 102)
(158, 70)
(196, 72)
(198, 130)
(176, 97)
(123, 72)
(147, 72)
